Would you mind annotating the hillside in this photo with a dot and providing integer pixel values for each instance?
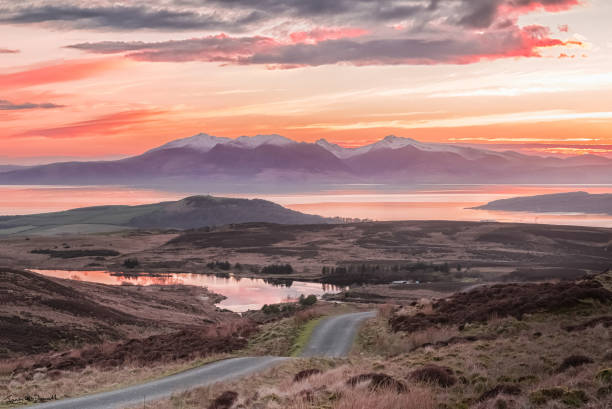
(189, 213)
(572, 202)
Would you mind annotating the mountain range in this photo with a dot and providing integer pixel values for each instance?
(189, 213)
(206, 160)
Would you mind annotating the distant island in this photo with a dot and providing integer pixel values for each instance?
(571, 202)
(189, 213)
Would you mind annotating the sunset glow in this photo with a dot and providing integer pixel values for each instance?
(108, 79)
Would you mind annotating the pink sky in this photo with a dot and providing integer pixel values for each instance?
(102, 79)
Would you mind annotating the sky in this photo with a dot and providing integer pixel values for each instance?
(106, 79)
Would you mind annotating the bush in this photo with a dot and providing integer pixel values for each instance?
(574, 361)
(221, 265)
(224, 401)
(503, 389)
(306, 373)
(378, 381)
(308, 301)
(439, 375)
(277, 269)
(270, 309)
(131, 263)
(605, 375)
(76, 253)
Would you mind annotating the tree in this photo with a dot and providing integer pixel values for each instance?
(131, 263)
(308, 301)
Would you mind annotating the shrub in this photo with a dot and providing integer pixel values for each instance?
(502, 389)
(277, 269)
(308, 301)
(574, 361)
(76, 253)
(270, 309)
(224, 401)
(575, 398)
(131, 263)
(221, 265)
(378, 381)
(542, 396)
(434, 374)
(306, 373)
(605, 375)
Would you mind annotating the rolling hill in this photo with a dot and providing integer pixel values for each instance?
(571, 202)
(189, 213)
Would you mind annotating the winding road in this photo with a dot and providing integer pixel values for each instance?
(332, 337)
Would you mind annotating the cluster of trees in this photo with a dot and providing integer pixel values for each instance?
(131, 263)
(304, 301)
(277, 269)
(221, 265)
(386, 273)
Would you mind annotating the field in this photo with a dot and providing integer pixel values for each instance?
(490, 251)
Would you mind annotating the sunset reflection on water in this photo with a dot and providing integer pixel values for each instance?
(242, 293)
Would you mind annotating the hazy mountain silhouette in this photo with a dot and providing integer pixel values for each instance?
(204, 160)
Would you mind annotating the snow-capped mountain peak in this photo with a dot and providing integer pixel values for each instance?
(259, 140)
(202, 142)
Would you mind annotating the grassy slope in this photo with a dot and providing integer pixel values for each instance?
(521, 357)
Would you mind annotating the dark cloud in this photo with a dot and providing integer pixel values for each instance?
(121, 17)
(219, 48)
(9, 106)
(242, 15)
(8, 51)
(264, 50)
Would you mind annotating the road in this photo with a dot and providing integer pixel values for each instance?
(332, 337)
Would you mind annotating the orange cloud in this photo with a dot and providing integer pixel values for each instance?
(107, 125)
(58, 72)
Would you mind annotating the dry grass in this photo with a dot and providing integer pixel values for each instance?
(65, 384)
(275, 389)
(374, 337)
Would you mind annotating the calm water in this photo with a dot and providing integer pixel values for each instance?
(242, 293)
(440, 202)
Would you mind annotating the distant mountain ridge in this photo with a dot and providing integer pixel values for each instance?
(189, 213)
(571, 202)
(276, 161)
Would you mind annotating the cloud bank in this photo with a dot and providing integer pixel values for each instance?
(358, 32)
(9, 106)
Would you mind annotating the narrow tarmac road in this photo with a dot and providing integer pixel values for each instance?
(333, 337)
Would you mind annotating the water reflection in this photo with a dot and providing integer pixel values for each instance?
(242, 293)
(421, 202)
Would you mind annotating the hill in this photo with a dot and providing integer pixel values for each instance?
(189, 213)
(571, 202)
